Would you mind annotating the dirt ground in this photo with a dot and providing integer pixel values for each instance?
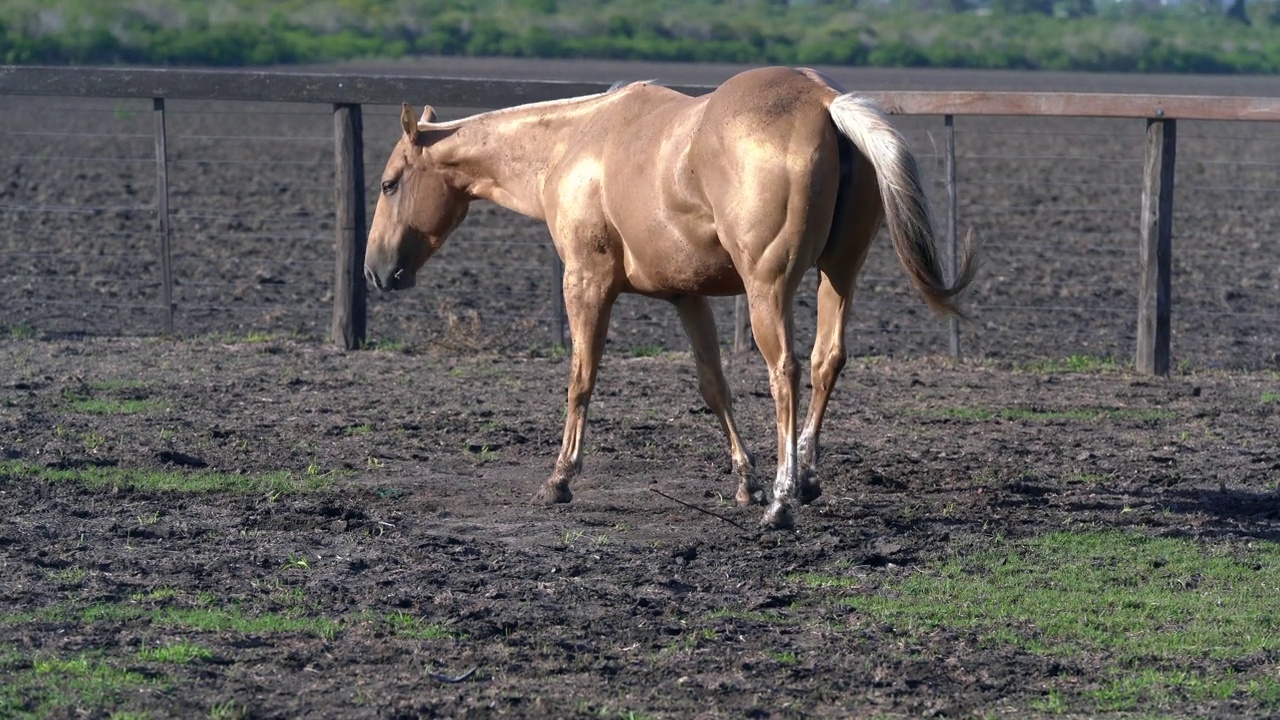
(623, 601)
(626, 602)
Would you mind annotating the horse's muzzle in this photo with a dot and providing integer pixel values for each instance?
(397, 279)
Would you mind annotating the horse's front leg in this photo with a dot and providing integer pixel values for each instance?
(588, 303)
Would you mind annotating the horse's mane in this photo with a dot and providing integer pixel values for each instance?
(628, 83)
(621, 84)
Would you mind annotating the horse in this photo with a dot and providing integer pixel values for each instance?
(647, 190)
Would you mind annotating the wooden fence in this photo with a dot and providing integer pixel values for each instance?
(348, 93)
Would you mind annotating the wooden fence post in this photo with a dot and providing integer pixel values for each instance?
(559, 338)
(348, 284)
(1155, 253)
(743, 340)
(162, 213)
(953, 253)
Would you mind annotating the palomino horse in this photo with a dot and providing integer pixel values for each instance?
(646, 190)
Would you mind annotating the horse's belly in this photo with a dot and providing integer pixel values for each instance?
(679, 268)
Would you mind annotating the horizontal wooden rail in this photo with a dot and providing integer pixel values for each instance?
(327, 88)
(346, 93)
(1101, 105)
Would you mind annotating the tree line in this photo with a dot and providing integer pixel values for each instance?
(1203, 36)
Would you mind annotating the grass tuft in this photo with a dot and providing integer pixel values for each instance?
(1073, 364)
(97, 477)
(179, 653)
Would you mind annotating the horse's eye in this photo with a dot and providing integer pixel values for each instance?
(389, 187)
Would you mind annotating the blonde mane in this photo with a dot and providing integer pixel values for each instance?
(542, 105)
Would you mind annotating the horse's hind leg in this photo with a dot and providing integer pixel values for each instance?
(700, 325)
(773, 328)
(838, 268)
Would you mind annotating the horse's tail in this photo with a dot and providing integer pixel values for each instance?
(905, 207)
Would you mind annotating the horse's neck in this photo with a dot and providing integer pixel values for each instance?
(506, 155)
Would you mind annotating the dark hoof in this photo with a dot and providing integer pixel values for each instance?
(553, 494)
(777, 517)
(809, 491)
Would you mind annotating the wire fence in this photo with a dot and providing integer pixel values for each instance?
(1054, 203)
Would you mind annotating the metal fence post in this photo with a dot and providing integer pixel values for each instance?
(1155, 251)
(162, 213)
(349, 301)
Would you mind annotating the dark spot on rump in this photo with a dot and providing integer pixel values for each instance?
(781, 104)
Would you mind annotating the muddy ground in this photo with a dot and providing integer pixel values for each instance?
(421, 560)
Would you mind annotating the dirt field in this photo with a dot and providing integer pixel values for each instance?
(395, 569)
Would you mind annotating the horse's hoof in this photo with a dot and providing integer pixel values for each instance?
(777, 517)
(553, 494)
(749, 496)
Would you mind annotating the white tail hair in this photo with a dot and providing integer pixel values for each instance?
(906, 208)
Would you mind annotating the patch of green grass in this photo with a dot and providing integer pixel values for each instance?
(95, 477)
(784, 657)
(1053, 703)
(649, 350)
(160, 594)
(481, 453)
(21, 331)
(82, 400)
(226, 711)
(67, 576)
(43, 685)
(1151, 612)
(822, 580)
(414, 628)
(1271, 397)
(110, 406)
(1073, 364)
(1070, 414)
(212, 619)
(179, 653)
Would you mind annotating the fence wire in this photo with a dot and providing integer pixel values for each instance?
(1053, 204)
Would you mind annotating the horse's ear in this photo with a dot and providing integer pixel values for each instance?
(428, 115)
(408, 122)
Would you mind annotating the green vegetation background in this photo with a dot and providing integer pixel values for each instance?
(1097, 35)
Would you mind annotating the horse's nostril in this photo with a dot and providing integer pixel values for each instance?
(399, 274)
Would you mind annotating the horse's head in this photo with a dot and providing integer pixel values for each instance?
(416, 211)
